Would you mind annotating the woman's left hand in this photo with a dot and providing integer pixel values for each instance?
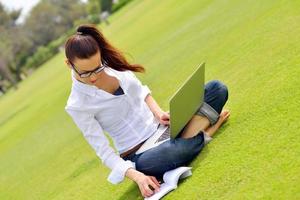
(164, 118)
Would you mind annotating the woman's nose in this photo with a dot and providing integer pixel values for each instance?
(93, 77)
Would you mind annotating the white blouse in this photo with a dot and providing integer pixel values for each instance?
(126, 118)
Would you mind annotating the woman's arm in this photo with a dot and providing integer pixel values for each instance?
(94, 135)
(158, 113)
(154, 107)
(144, 92)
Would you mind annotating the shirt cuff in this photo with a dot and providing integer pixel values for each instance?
(117, 174)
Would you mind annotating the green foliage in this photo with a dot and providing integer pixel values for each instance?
(9, 46)
(94, 10)
(119, 5)
(45, 53)
(106, 5)
(50, 19)
(47, 21)
(41, 55)
(61, 17)
(7, 17)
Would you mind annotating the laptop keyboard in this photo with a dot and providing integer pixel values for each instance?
(164, 136)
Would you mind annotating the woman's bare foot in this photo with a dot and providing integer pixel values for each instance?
(222, 119)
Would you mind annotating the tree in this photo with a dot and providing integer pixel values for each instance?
(106, 5)
(7, 45)
(49, 19)
(94, 10)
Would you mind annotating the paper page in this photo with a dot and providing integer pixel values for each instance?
(164, 189)
(171, 177)
(186, 174)
(170, 181)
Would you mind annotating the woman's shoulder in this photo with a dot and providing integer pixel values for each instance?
(127, 77)
(75, 100)
(122, 74)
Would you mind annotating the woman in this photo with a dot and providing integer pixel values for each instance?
(107, 96)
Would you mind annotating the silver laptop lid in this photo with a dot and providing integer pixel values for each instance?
(185, 102)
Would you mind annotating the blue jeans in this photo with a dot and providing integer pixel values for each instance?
(179, 151)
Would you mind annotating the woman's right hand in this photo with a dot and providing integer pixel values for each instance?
(145, 182)
(163, 117)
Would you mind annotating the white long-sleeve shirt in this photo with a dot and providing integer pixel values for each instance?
(126, 118)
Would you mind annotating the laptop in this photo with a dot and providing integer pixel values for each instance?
(183, 105)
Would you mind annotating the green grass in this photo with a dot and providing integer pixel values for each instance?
(252, 46)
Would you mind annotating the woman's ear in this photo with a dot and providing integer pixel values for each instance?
(68, 63)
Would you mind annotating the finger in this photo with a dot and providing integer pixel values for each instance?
(166, 122)
(165, 119)
(145, 194)
(157, 186)
(166, 116)
(153, 185)
(147, 190)
(143, 189)
(155, 180)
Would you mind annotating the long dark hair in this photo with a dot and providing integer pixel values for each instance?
(88, 41)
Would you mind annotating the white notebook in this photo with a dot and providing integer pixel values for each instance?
(170, 179)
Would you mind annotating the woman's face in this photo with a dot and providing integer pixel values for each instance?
(85, 65)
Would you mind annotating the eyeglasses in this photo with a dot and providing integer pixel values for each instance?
(89, 73)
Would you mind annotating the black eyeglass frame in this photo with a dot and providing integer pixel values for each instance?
(89, 73)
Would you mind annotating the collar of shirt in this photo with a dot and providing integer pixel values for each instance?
(93, 90)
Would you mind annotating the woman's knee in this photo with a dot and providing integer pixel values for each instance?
(223, 90)
(219, 87)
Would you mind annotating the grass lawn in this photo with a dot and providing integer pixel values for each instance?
(252, 46)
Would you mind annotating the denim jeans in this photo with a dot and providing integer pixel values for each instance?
(179, 151)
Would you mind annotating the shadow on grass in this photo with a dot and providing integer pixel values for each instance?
(197, 160)
(205, 151)
(221, 130)
(83, 168)
(132, 193)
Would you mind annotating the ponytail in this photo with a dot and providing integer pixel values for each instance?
(88, 41)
